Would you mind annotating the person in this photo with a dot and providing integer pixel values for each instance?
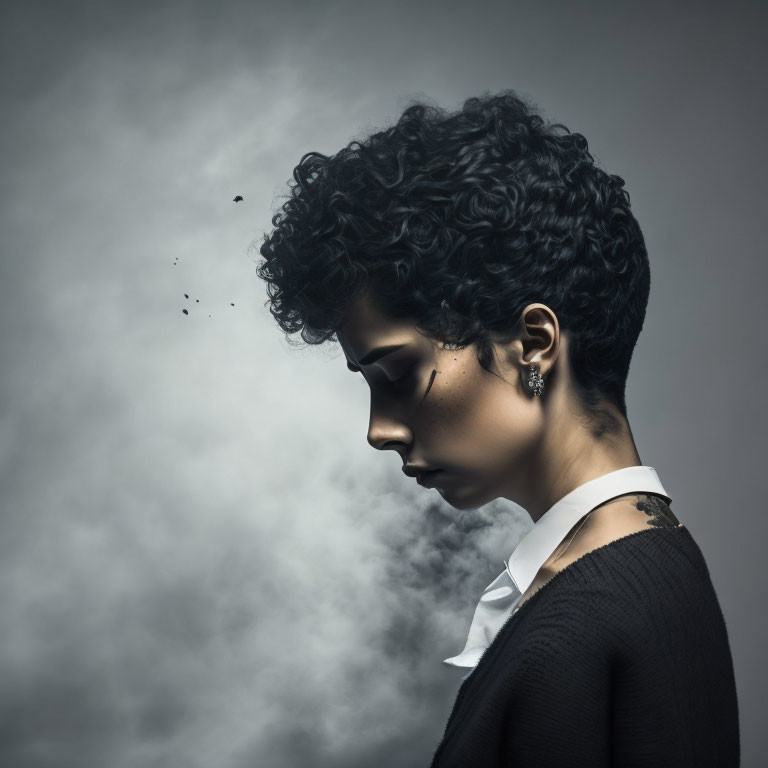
(489, 281)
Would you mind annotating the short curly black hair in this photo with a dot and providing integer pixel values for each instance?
(460, 220)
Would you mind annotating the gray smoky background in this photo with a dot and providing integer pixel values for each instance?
(202, 561)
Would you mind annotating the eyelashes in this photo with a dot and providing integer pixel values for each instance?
(404, 383)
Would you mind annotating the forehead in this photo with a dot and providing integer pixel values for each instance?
(365, 326)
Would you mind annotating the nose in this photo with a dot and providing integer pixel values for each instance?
(387, 434)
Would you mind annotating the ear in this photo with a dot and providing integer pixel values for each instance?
(535, 341)
(539, 338)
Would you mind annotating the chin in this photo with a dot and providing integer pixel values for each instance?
(463, 501)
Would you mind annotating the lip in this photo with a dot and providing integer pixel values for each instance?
(426, 479)
(413, 470)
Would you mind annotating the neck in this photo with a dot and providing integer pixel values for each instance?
(570, 453)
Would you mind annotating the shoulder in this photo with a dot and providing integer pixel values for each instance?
(624, 589)
(630, 633)
(644, 597)
(610, 522)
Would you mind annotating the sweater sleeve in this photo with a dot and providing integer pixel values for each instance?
(560, 715)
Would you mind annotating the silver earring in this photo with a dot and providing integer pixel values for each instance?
(535, 381)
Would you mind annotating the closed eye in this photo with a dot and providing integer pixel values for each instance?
(402, 384)
(396, 383)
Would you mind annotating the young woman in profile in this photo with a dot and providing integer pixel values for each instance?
(489, 282)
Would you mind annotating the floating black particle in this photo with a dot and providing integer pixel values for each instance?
(185, 311)
(186, 295)
(238, 199)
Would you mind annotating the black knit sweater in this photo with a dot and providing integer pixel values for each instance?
(621, 659)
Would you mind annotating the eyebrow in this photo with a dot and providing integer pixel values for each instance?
(374, 355)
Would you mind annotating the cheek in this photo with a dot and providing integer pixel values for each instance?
(476, 414)
(453, 403)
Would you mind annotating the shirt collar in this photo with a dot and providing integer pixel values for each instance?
(501, 596)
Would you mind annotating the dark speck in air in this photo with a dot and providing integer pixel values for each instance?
(185, 311)
(238, 199)
(186, 295)
(197, 300)
(231, 304)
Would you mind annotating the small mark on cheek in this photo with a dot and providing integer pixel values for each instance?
(431, 380)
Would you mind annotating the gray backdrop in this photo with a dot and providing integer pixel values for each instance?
(203, 561)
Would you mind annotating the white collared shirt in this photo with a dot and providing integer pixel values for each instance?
(501, 597)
